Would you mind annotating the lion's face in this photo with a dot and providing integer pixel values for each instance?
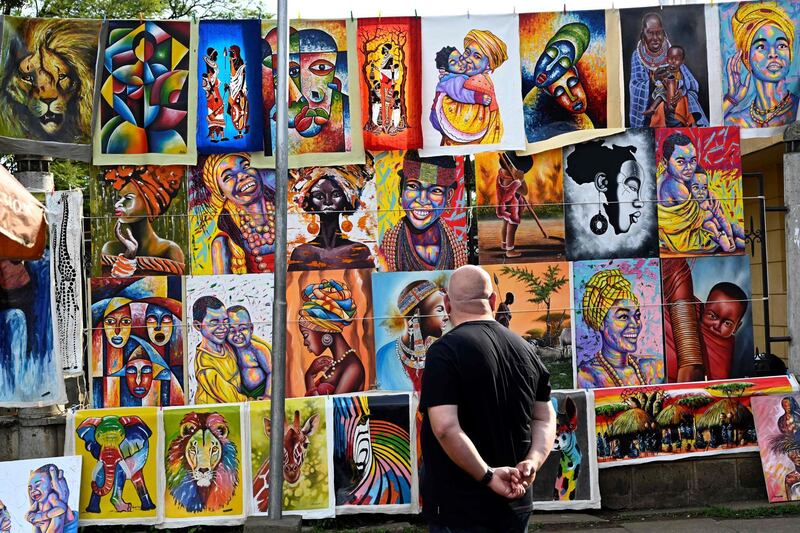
(46, 84)
(203, 454)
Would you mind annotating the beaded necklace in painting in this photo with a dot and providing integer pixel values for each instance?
(612, 373)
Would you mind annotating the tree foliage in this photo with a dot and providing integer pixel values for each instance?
(540, 288)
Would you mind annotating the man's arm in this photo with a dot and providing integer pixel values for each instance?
(543, 436)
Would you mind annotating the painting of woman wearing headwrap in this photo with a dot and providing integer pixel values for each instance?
(617, 322)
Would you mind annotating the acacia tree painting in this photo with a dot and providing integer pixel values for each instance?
(541, 290)
(370, 42)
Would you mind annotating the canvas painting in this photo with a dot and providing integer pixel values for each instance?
(31, 489)
(389, 57)
(533, 301)
(375, 453)
(700, 208)
(420, 200)
(708, 318)
(137, 342)
(332, 220)
(230, 114)
(777, 420)
(119, 453)
(329, 340)
(203, 475)
(139, 221)
(231, 216)
(307, 457)
(665, 66)
(610, 197)
(471, 81)
(48, 86)
(680, 420)
(520, 209)
(229, 347)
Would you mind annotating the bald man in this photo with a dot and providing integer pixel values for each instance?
(488, 424)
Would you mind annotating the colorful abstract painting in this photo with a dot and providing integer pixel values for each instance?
(119, 452)
(389, 57)
(708, 318)
(700, 209)
(307, 457)
(471, 81)
(139, 221)
(520, 209)
(147, 84)
(230, 111)
(231, 216)
(329, 339)
(47, 85)
(230, 338)
(760, 64)
(203, 465)
(30, 489)
(610, 196)
(332, 221)
(533, 301)
(777, 420)
(420, 200)
(680, 420)
(618, 336)
(375, 433)
(137, 342)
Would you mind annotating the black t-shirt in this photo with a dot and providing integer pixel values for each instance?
(494, 377)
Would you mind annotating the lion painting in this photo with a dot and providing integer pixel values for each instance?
(202, 465)
(47, 80)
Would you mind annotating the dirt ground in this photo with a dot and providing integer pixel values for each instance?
(529, 241)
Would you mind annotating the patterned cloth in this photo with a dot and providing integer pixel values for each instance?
(327, 306)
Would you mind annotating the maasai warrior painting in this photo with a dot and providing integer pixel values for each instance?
(759, 44)
(665, 66)
(230, 352)
(137, 342)
(329, 332)
(389, 52)
(422, 216)
(147, 87)
(231, 216)
(700, 209)
(617, 323)
(230, 115)
(708, 324)
(138, 221)
(610, 193)
(520, 206)
(680, 420)
(777, 420)
(564, 73)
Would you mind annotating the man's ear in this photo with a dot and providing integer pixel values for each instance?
(601, 181)
(493, 300)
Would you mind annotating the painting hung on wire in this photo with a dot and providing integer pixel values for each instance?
(40, 495)
(147, 84)
(47, 85)
(230, 114)
(137, 342)
(680, 420)
(332, 218)
(375, 453)
(307, 459)
(231, 216)
(708, 318)
(422, 212)
(329, 339)
(618, 336)
(534, 302)
(520, 209)
(229, 348)
(777, 420)
(119, 451)
(471, 80)
(138, 221)
(610, 197)
(203, 473)
(700, 208)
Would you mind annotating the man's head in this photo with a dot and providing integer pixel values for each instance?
(724, 309)
(509, 298)
(679, 156)
(240, 331)
(426, 188)
(470, 295)
(653, 35)
(675, 57)
(210, 319)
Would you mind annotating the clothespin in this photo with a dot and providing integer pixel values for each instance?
(467, 14)
(141, 17)
(661, 4)
(565, 9)
(351, 16)
(415, 14)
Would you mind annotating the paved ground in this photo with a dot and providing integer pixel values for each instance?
(789, 524)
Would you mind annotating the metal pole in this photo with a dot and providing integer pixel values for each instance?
(279, 307)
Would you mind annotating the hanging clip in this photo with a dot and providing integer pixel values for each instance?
(415, 14)
(565, 9)
(141, 17)
(351, 17)
(467, 14)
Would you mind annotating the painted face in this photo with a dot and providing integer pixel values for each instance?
(39, 486)
(770, 54)
(568, 92)
(117, 326)
(434, 316)
(239, 183)
(621, 326)
(160, 324)
(130, 207)
(423, 200)
(699, 186)
(325, 195)
(139, 375)
(675, 58)
(554, 62)
(787, 405)
(794, 457)
(629, 182)
(475, 61)
(683, 162)
(653, 35)
(241, 328)
(312, 70)
(722, 316)
(455, 63)
(214, 326)
(312, 340)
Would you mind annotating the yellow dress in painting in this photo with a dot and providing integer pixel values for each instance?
(680, 228)
(218, 379)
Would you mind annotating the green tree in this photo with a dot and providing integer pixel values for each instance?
(541, 289)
